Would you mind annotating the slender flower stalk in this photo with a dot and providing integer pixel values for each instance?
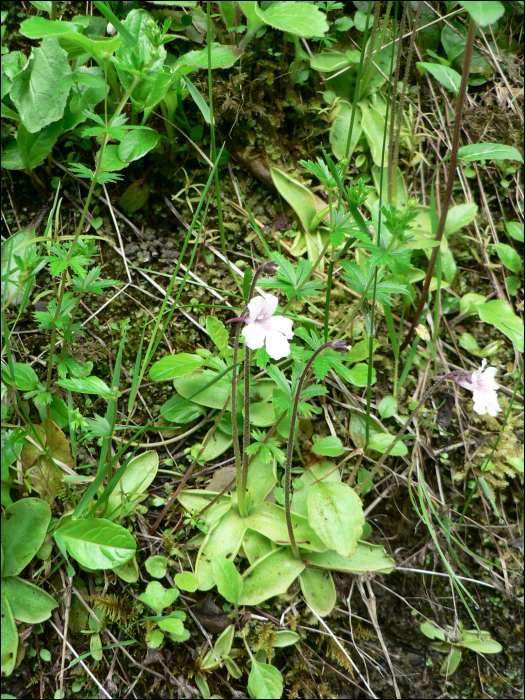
(339, 346)
(267, 268)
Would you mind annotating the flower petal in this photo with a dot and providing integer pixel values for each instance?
(254, 336)
(282, 325)
(277, 346)
(262, 308)
(486, 402)
(487, 379)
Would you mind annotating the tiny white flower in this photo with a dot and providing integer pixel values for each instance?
(110, 29)
(483, 387)
(263, 328)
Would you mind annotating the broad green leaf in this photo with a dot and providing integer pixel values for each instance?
(469, 302)
(181, 411)
(136, 143)
(265, 681)
(300, 18)
(488, 151)
(515, 229)
(157, 597)
(373, 123)
(9, 638)
(8, 113)
(172, 625)
(500, 314)
(484, 12)
(459, 216)
(336, 514)
(172, 366)
(11, 158)
(271, 575)
(139, 474)
(340, 126)
(358, 374)
(111, 160)
(24, 527)
(367, 557)
(517, 463)
(302, 486)
(227, 579)
(217, 445)
(44, 5)
(256, 545)
(69, 36)
(359, 351)
(431, 631)
(381, 441)
(297, 195)
(38, 91)
(223, 539)
(222, 647)
(268, 519)
(128, 572)
(34, 148)
(221, 57)
(218, 333)
(262, 414)
(508, 256)
(97, 543)
(29, 603)
(330, 61)
(328, 447)
(261, 479)
(25, 376)
(191, 387)
(448, 77)
(194, 501)
(483, 646)
(87, 385)
(387, 407)
(187, 581)
(284, 638)
(319, 590)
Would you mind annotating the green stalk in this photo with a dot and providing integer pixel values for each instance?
(339, 346)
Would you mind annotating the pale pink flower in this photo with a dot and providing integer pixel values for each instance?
(483, 386)
(263, 328)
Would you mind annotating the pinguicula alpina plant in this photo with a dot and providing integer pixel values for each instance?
(317, 526)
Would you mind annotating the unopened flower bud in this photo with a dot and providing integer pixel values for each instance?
(269, 268)
(340, 345)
